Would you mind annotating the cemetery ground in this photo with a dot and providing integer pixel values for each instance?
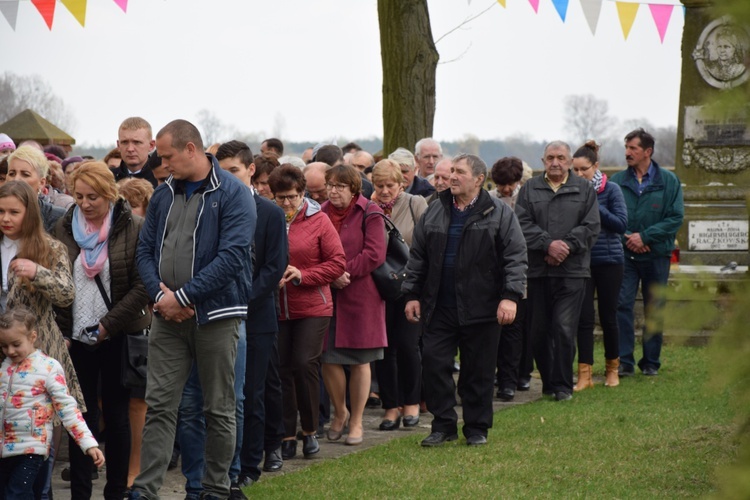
(652, 437)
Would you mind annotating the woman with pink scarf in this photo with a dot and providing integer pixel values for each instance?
(101, 235)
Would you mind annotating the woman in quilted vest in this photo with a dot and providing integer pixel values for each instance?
(101, 235)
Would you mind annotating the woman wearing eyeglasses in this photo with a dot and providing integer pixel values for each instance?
(357, 333)
(316, 258)
(607, 258)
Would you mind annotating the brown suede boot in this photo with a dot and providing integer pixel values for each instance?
(612, 379)
(584, 378)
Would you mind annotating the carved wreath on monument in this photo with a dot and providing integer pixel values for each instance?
(720, 55)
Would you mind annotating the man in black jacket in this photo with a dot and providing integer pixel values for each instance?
(135, 141)
(466, 272)
(559, 215)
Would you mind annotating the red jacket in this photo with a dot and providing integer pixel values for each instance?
(315, 249)
(360, 312)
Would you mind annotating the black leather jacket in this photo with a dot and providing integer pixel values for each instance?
(490, 261)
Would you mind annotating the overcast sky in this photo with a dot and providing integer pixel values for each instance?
(311, 70)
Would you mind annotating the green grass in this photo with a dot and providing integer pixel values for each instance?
(660, 437)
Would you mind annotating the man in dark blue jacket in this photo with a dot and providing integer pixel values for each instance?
(193, 258)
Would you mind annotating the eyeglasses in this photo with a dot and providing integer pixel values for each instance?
(583, 169)
(289, 197)
(336, 187)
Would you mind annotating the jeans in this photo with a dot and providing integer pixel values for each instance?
(191, 430)
(17, 475)
(172, 349)
(652, 275)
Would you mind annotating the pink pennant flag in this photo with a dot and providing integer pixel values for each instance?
(123, 4)
(661, 14)
(535, 5)
(47, 9)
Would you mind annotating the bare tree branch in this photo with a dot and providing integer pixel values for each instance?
(465, 22)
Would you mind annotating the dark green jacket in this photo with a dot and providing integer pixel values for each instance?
(656, 214)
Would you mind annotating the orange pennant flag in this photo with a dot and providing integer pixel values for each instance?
(77, 8)
(47, 9)
(626, 12)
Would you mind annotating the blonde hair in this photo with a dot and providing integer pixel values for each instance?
(97, 175)
(33, 157)
(137, 191)
(137, 123)
(387, 170)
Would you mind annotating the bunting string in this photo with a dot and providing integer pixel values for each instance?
(627, 11)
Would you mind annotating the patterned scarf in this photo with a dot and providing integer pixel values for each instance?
(93, 241)
(599, 181)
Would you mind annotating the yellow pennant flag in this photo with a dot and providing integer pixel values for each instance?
(626, 12)
(77, 8)
(501, 2)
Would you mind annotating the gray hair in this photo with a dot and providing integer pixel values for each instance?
(558, 144)
(476, 164)
(422, 142)
(293, 160)
(403, 156)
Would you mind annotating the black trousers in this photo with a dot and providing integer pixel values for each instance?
(554, 308)
(105, 363)
(400, 370)
(264, 424)
(477, 345)
(511, 350)
(607, 280)
(300, 347)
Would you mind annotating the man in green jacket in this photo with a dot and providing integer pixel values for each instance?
(653, 196)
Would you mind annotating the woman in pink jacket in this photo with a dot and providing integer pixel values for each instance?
(357, 333)
(316, 258)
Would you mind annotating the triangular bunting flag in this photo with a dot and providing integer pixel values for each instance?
(626, 12)
(77, 8)
(591, 11)
(9, 8)
(123, 4)
(562, 8)
(661, 15)
(535, 5)
(501, 2)
(47, 9)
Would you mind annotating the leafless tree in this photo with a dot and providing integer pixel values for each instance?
(587, 117)
(211, 126)
(21, 92)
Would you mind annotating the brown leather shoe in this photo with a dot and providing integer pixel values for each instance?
(584, 378)
(612, 377)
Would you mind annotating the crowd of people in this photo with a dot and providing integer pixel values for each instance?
(251, 276)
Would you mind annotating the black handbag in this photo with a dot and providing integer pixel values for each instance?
(134, 350)
(134, 360)
(391, 273)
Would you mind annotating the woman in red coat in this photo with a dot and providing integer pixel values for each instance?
(316, 258)
(357, 332)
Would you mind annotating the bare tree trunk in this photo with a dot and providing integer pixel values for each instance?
(409, 65)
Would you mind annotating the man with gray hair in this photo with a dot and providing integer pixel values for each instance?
(559, 215)
(428, 153)
(465, 275)
(412, 184)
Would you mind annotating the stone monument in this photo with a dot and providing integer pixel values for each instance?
(713, 137)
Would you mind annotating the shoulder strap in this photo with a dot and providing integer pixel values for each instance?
(411, 209)
(105, 297)
(364, 217)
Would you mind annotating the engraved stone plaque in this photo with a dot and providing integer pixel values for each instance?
(713, 235)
